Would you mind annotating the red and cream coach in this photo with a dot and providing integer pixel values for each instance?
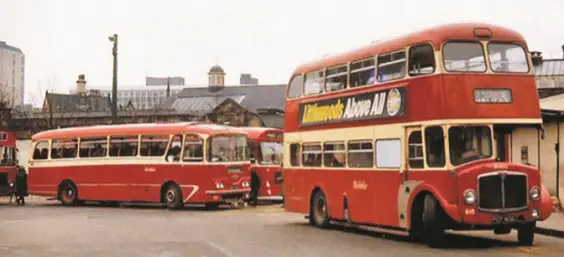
(266, 156)
(174, 164)
(412, 135)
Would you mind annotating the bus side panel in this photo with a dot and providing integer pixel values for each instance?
(296, 192)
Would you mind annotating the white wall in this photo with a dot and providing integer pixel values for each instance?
(529, 137)
(11, 76)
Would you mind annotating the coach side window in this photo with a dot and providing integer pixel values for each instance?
(388, 153)
(295, 87)
(311, 155)
(193, 149)
(435, 146)
(295, 155)
(362, 73)
(314, 82)
(124, 146)
(93, 147)
(63, 148)
(154, 145)
(334, 155)
(391, 66)
(174, 149)
(421, 60)
(415, 150)
(41, 151)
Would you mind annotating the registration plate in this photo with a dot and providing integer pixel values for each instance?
(233, 187)
(499, 219)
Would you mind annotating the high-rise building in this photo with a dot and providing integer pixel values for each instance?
(12, 73)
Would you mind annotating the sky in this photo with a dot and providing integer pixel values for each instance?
(267, 38)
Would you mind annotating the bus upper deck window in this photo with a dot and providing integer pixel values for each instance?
(507, 57)
(421, 60)
(464, 57)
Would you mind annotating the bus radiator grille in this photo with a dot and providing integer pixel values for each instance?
(502, 192)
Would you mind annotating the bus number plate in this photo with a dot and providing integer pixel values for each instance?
(498, 219)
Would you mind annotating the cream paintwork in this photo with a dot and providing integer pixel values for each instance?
(404, 205)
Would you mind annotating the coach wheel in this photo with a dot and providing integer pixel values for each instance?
(526, 234)
(68, 194)
(433, 222)
(319, 211)
(173, 197)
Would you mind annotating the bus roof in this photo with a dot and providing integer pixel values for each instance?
(436, 35)
(140, 128)
(257, 132)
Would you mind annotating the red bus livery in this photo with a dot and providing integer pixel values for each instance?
(8, 163)
(266, 153)
(412, 135)
(174, 164)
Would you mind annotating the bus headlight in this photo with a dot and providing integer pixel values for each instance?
(534, 193)
(267, 184)
(219, 185)
(470, 197)
(11, 183)
(245, 184)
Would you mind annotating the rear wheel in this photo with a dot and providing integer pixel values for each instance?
(68, 194)
(319, 211)
(433, 222)
(526, 234)
(173, 197)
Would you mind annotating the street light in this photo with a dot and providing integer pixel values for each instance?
(114, 39)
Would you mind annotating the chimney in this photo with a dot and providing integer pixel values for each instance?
(81, 85)
(536, 57)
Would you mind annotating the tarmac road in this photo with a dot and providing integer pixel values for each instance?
(48, 229)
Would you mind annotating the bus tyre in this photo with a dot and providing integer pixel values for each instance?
(68, 194)
(319, 211)
(433, 222)
(526, 234)
(173, 197)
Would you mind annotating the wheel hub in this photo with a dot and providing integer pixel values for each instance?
(170, 196)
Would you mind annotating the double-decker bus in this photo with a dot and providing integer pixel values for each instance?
(174, 164)
(8, 162)
(266, 156)
(412, 135)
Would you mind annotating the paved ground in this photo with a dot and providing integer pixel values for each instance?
(48, 229)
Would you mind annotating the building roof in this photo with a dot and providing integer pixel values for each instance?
(3, 45)
(203, 100)
(550, 68)
(75, 103)
(216, 68)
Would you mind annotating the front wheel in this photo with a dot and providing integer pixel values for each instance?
(319, 211)
(526, 234)
(173, 197)
(433, 222)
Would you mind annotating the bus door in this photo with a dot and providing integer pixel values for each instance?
(269, 155)
(411, 169)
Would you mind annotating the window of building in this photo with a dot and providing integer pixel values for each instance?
(295, 155)
(193, 149)
(41, 151)
(64, 148)
(391, 66)
(123, 146)
(415, 150)
(93, 147)
(435, 146)
(360, 154)
(508, 57)
(336, 78)
(154, 145)
(421, 60)
(464, 57)
(295, 88)
(311, 155)
(313, 84)
(362, 73)
(388, 153)
(334, 154)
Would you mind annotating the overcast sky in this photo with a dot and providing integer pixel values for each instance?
(267, 38)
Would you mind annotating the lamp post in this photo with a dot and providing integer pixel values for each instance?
(114, 39)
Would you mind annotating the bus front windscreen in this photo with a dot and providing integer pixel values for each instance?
(227, 148)
(469, 143)
(270, 153)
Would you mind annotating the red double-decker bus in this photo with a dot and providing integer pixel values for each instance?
(412, 135)
(174, 164)
(8, 162)
(266, 145)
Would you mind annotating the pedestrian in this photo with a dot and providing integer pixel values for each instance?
(255, 187)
